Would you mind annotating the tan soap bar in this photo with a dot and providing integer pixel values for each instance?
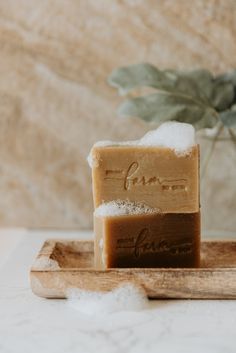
(157, 176)
(147, 240)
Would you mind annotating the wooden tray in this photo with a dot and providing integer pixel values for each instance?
(62, 264)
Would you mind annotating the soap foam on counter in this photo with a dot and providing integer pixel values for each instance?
(123, 208)
(177, 136)
(124, 298)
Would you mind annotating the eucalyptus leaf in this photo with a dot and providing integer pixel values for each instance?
(228, 118)
(164, 106)
(194, 83)
(140, 75)
(233, 107)
(201, 76)
(201, 80)
(222, 95)
(219, 92)
(228, 77)
(196, 96)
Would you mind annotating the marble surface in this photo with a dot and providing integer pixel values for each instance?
(31, 324)
(55, 102)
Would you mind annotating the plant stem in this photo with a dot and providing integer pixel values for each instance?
(210, 151)
(232, 136)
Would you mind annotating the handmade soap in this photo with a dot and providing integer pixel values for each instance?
(162, 175)
(138, 236)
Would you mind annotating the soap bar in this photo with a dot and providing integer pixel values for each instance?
(147, 240)
(157, 176)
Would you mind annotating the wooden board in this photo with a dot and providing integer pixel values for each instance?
(62, 264)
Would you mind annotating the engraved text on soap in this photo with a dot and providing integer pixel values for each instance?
(144, 243)
(130, 179)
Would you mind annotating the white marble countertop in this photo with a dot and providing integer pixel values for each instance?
(32, 324)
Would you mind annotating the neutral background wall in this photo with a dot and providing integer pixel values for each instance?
(55, 102)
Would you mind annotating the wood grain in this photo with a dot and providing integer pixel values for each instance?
(70, 264)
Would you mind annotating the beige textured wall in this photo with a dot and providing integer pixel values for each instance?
(54, 100)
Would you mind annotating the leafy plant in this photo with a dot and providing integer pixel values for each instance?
(196, 97)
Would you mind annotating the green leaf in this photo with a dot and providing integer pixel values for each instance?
(227, 88)
(197, 82)
(191, 96)
(133, 76)
(222, 95)
(228, 118)
(218, 92)
(164, 106)
(228, 77)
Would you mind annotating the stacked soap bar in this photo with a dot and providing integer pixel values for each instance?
(146, 198)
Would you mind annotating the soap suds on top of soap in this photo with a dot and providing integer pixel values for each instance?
(122, 208)
(177, 136)
(127, 297)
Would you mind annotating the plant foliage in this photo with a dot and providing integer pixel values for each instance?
(196, 97)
